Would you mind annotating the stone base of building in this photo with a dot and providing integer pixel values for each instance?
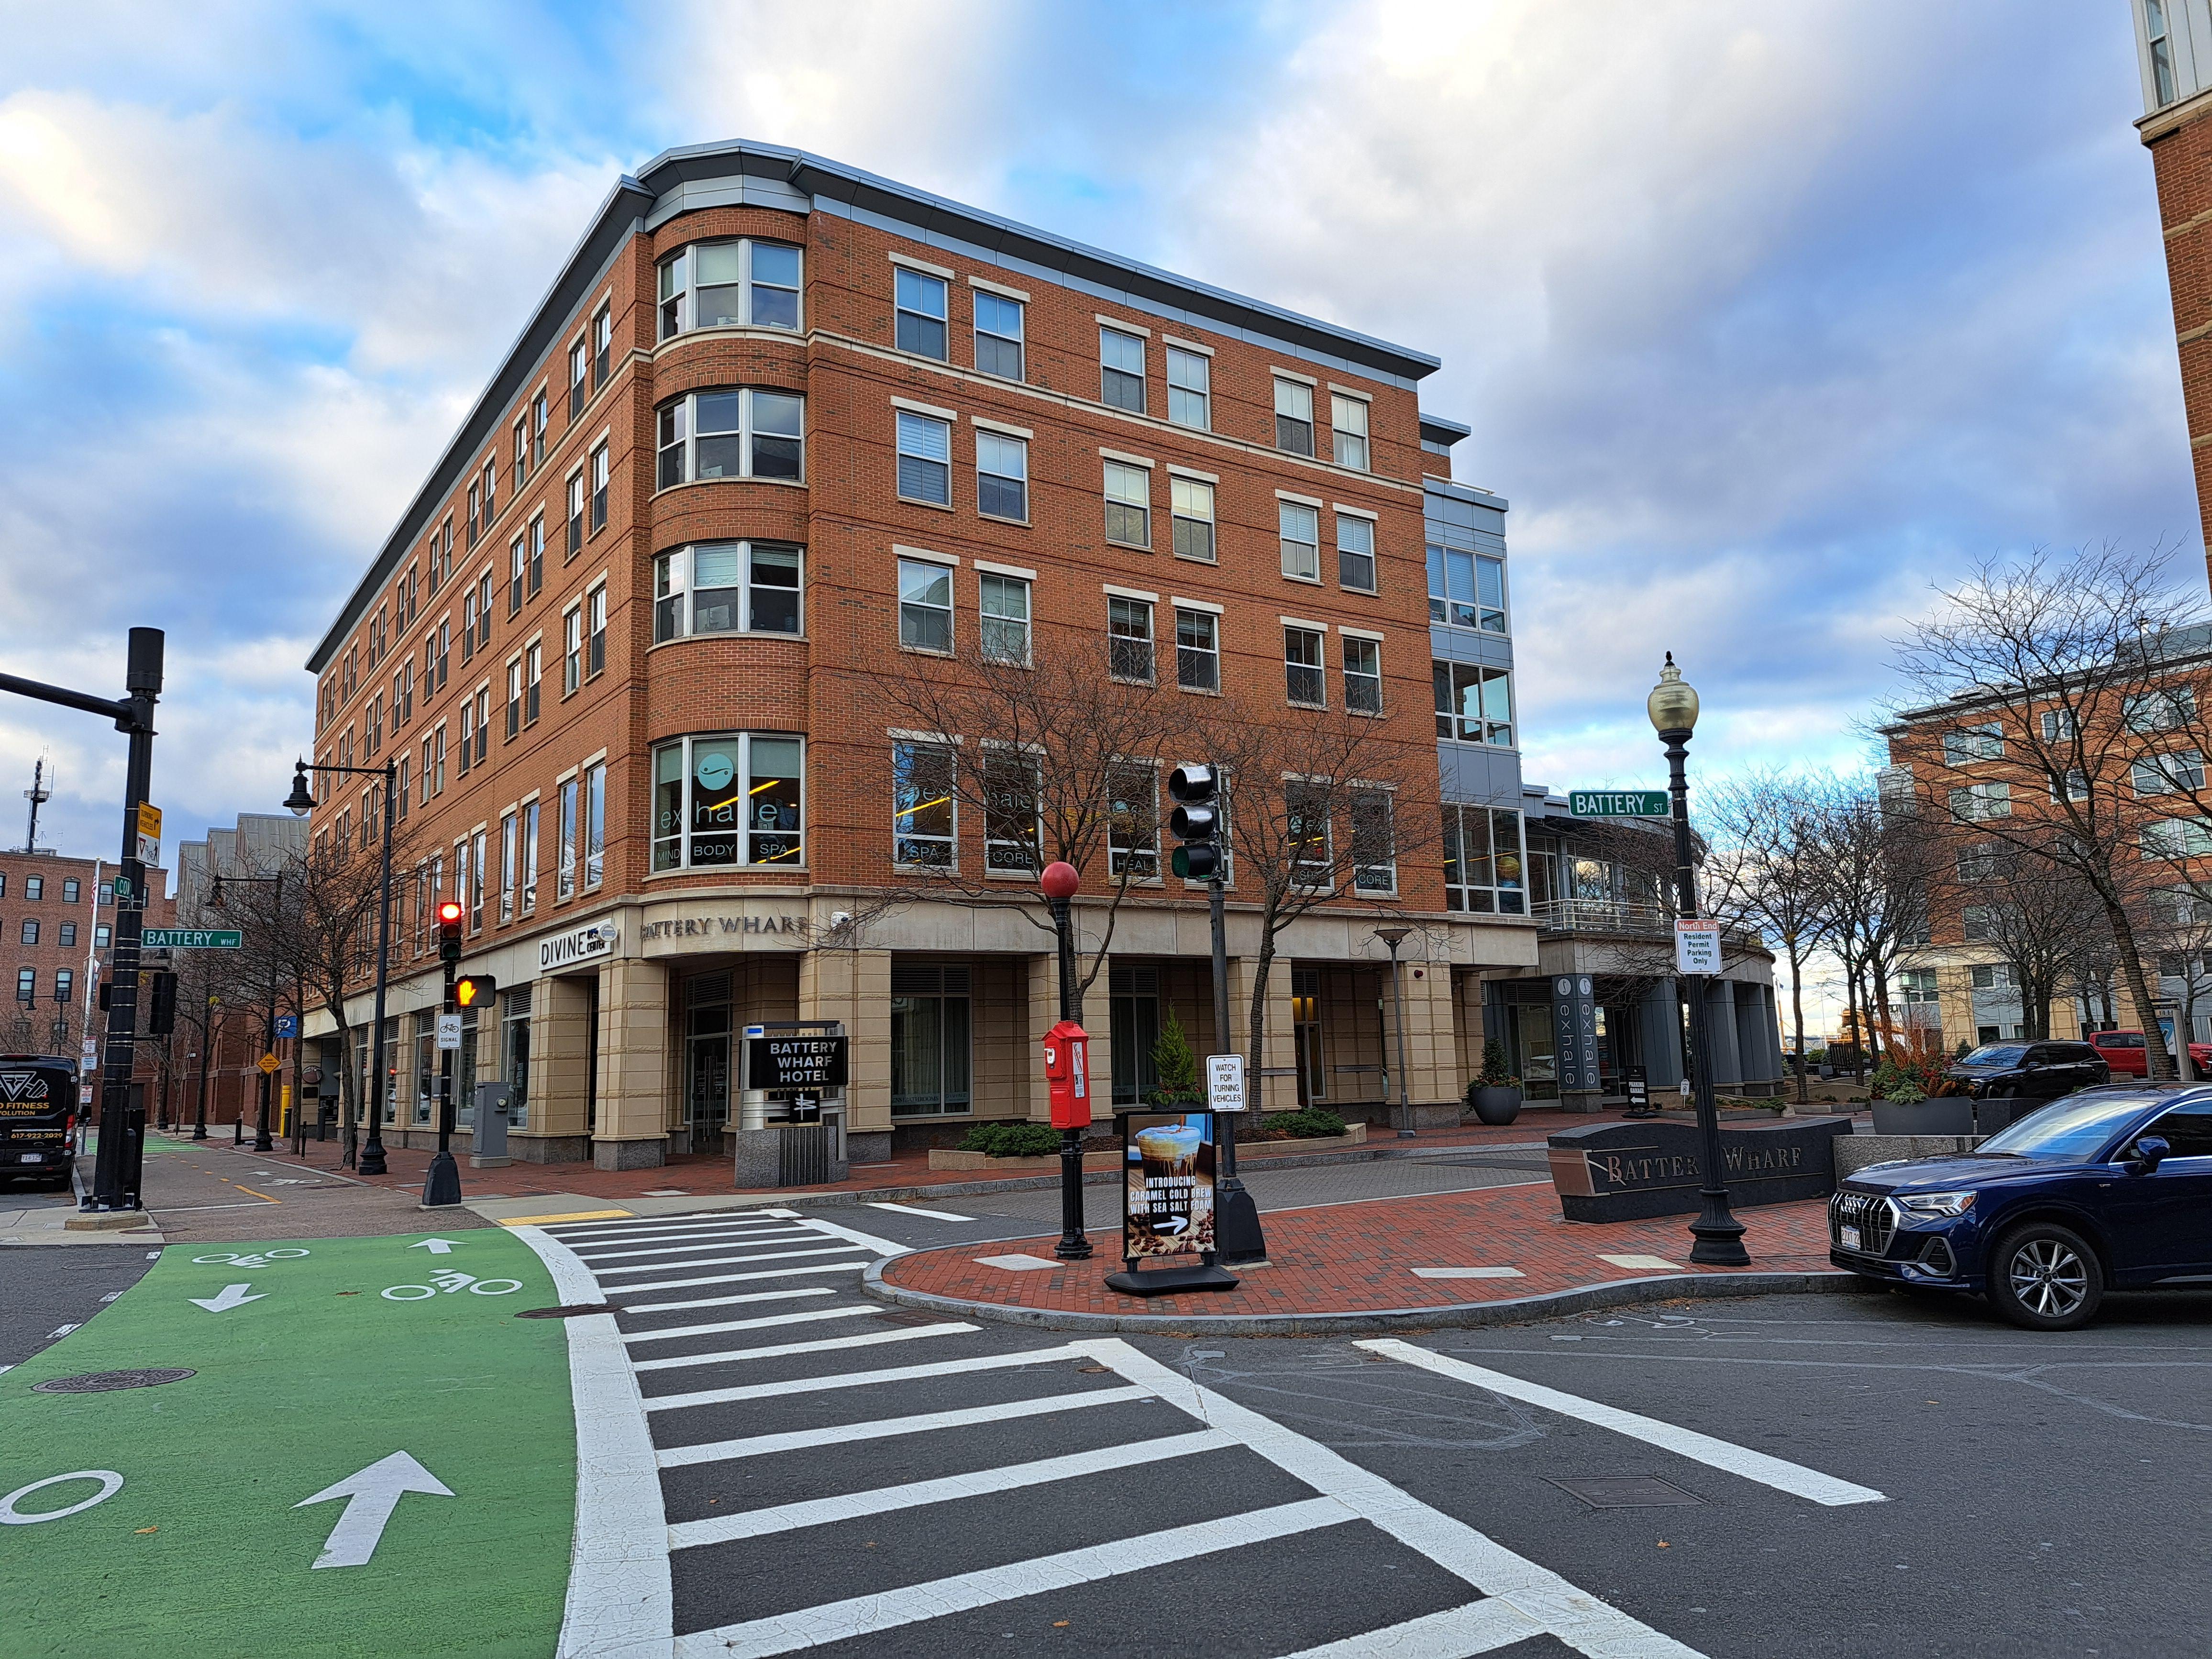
(1581, 1100)
(550, 1149)
(869, 1146)
(629, 1154)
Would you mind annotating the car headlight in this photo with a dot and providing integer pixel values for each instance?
(1937, 1203)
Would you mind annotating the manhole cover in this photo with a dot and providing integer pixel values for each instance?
(574, 1311)
(107, 1381)
(1625, 1491)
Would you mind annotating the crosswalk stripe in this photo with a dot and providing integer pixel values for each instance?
(880, 1246)
(646, 1227)
(810, 1316)
(913, 1494)
(712, 1234)
(716, 1279)
(595, 1254)
(916, 1209)
(1476, 1627)
(864, 1615)
(779, 1350)
(728, 1260)
(885, 1428)
(728, 1301)
(569, 1234)
(986, 1362)
(1792, 1478)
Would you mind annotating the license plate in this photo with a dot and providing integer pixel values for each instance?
(1851, 1237)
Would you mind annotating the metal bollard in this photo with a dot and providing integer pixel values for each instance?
(238, 1131)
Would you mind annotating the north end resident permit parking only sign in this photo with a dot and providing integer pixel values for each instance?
(795, 1062)
(1696, 947)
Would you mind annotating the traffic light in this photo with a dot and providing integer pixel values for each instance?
(1196, 822)
(449, 931)
(474, 991)
(162, 1010)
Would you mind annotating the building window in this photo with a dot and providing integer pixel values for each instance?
(1190, 389)
(925, 606)
(476, 509)
(521, 470)
(603, 347)
(1002, 473)
(468, 734)
(740, 434)
(930, 1025)
(595, 824)
(484, 723)
(1474, 704)
(1129, 638)
(1190, 501)
(2074, 785)
(401, 790)
(529, 858)
(998, 336)
(2058, 725)
(1012, 830)
(1466, 590)
(599, 489)
(924, 460)
(1355, 553)
(1306, 817)
(729, 284)
(514, 697)
(1483, 861)
(1294, 417)
(1133, 835)
(920, 302)
(1966, 743)
(30, 932)
(1121, 369)
(1302, 668)
(922, 817)
(533, 674)
(69, 933)
(1918, 984)
(1374, 844)
(1363, 675)
(1348, 420)
(2161, 838)
(1300, 534)
(517, 574)
(1129, 505)
(102, 937)
(1198, 651)
(536, 555)
(737, 798)
(1003, 604)
(34, 887)
(1978, 801)
(509, 836)
(572, 651)
(2159, 711)
(487, 585)
(490, 494)
(595, 632)
(2161, 50)
(70, 890)
(26, 986)
(2162, 775)
(576, 511)
(468, 625)
(723, 587)
(580, 360)
(538, 417)
(565, 870)
(476, 851)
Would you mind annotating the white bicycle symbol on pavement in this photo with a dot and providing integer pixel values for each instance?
(449, 1282)
(260, 1260)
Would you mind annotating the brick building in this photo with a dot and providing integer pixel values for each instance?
(2173, 44)
(780, 426)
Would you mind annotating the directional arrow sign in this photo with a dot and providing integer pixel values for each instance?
(233, 1296)
(371, 1496)
(435, 1246)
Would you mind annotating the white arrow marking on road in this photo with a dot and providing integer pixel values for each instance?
(233, 1296)
(371, 1496)
(435, 1246)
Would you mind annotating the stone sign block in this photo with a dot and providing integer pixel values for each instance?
(1627, 1171)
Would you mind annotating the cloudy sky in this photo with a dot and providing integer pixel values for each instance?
(1765, 317)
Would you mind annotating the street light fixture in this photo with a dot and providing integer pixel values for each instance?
(1673, 706)
(299, 803)
(1395, 937)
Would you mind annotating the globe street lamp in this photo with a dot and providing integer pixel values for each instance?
(1673, 707)
(1060, 880)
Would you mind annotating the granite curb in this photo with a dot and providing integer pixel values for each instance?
(1550, 1305)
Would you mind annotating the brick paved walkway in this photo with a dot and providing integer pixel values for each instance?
(1360, 1258)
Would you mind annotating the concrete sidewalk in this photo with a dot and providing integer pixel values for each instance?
(1487, 1256)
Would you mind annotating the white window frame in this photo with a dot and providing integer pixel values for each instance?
(1297, 636)
(1018, 339)
(950, 841)
(1301, 554)
(935, 570)
(1360, 529)
(1348, 427)
(673, 581)
(1001, 631)
(1003, 448)
(1117, 480)
(1358, 698)
(1149, 639)
(676, 289)
(1190, 387)
(1211, 651)
(1191, 501)
(1291, 397)
(908, 283)
(911, 422)
(1118, 339)
(683, 414)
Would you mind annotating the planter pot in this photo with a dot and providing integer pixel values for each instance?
(1497, 1107)
(1948, 1115)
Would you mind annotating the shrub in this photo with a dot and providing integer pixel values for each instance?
(1012, 1139)
(1308, 1123)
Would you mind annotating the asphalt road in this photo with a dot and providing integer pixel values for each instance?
(48, 1291)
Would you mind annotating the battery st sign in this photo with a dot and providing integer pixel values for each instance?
(795, 1062)
(1617, 803)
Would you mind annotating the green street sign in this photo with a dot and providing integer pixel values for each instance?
(1617, 803)
(192, 938)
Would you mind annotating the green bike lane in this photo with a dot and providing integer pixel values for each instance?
(329, 1367)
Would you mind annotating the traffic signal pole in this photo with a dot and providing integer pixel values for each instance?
(115, 1178)
(442, 1185)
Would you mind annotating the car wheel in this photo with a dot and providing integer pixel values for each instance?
(2045, 1277)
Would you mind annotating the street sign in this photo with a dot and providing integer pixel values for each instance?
(192, 938)
(449, 1032)
(268, 1063)
(1617, 803)
(1696, 947)
(1225, 1083)
(795, 1062)
(149, 833)
(287, 1026)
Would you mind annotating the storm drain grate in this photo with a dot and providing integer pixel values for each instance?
(108, 1382)
(574, 1311)
(1625, 1491)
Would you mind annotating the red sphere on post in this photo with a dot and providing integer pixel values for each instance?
(1060, 880)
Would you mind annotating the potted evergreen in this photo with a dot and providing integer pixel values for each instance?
(1175, 1063)
(1494, 1094)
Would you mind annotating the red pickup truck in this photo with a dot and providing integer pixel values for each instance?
(2124, 1053)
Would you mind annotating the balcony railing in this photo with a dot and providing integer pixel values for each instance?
(1619, 916)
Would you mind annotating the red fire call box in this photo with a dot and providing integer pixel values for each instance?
(1067, 1069)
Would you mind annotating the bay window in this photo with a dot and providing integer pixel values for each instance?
(731, 798)
(735, 284)
(725, 587)
(743, 433)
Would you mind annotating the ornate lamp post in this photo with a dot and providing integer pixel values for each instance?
(1673, 707)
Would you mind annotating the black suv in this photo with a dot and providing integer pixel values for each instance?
(2030, 1072)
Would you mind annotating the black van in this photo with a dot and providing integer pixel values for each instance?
(38, 1117)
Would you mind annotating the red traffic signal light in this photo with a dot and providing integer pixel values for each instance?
(449, 916)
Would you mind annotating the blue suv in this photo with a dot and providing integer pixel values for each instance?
(2108, 1189)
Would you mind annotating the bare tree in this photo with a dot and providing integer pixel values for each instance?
(1771, 872)
(2030, 910)
(2039, 673)
(2177, 924)
(335, 922)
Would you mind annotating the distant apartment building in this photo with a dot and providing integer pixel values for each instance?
(257, 848)
(780, 428)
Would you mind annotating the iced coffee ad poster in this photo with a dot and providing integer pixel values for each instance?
(1168, 1185)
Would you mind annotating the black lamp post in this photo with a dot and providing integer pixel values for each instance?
(299, 803)
(1060, 880)
(1395, 937)
(1673, 707)
(262, 1143)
